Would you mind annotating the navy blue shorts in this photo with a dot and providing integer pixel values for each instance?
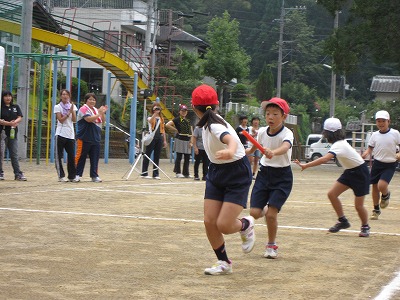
(229, 182)
(272, 187)
(357, 179)
(384, 171)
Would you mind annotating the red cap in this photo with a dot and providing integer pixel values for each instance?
(204, 95)
(277, 101)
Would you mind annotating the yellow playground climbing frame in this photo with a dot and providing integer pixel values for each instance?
(111, 62)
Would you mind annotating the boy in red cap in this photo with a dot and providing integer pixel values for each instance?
(274, 179)
(227, 183)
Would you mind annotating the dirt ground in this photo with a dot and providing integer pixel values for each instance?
(144, 239)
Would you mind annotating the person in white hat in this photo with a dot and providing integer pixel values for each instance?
(355, 176)
(383, 146)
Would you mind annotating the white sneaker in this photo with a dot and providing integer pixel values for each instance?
(248, 236)
(76, 179)
(219, 268)
(179, 175)
(62, 179)
(96, 179)
(146, 177)
(157, 177)
(271, 251)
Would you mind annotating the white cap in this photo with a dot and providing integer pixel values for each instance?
(382, 114)
(332, 124)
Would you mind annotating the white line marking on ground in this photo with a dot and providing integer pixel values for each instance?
(391, 289)
(165, 219)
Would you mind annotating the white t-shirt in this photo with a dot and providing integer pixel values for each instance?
(347, 156)
(212, 142)
(384, 145)
(273, 142)
(65, 129)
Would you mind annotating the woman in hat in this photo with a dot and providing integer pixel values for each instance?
(182, 143)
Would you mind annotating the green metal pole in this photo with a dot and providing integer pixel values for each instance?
(39, 125)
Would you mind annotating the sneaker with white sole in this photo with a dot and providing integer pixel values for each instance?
(96, 179)
(271, 251)
(157, 177)
(146, 177)
(338, 226)
(62, 179)
(248, 236)
(375, 214)
(364, 231)
(1, 175)
(219, 268)
(76, 179)
(179, 175)
(20, 177)
(385, 200)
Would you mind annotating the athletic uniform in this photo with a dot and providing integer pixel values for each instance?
(227, 180)
(384, 153)
(274, 180)
(356, 174)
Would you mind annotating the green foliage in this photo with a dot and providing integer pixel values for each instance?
(225, 59)
(239, 93)
(264, 86)
(299, 93)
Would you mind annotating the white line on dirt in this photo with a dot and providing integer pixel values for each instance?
(391, 289)
(166, 219)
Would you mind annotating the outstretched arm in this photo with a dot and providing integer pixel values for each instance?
(322, 160)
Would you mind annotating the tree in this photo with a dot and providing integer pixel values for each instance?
(225, 60)
(265, 84)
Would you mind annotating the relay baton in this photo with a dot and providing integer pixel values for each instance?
(253, 141)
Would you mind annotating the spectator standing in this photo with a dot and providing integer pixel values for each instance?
(182, 142)
(90, 122)
(65, 112)
(11, 116)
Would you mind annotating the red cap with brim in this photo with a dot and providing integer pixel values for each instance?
(277, 101)
(204, 95)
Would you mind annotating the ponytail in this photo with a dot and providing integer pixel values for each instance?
(209, 117)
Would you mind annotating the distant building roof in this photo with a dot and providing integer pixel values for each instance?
(385, 84)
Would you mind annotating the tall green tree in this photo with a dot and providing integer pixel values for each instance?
(225, 60)
(265, 84)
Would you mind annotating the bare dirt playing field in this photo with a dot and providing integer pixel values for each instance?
(144, 239)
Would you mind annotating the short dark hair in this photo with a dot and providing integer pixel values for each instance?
(7, 93)
(334, 136)
(243, 117)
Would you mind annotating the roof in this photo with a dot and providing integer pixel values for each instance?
(385, 84)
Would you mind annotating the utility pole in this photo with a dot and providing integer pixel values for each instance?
(333, 76)
(280, 44)
(147, 39)
(23, 74)
(153, 52)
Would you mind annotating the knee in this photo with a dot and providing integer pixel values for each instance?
(256, 213)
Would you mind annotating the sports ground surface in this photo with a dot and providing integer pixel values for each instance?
(144, 239)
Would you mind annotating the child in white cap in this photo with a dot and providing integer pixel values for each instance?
(382, 145)
(355, 176)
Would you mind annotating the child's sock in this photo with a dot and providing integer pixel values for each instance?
(221, 254)
(376, 207)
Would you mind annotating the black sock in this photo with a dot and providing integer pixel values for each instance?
(376, 207)
(245, 224)
(343, 219)
(221, 254)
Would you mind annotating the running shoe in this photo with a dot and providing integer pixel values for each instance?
(271, 251)
(219, 268)
(179, 175)
(375, 214)
(96, 179)
(364, 231)
(20, 177)
(338, 226)
(62, 179)
(385, 200)
(248, 236)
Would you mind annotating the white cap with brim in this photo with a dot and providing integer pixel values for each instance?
(382, 114)
(332, 124)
